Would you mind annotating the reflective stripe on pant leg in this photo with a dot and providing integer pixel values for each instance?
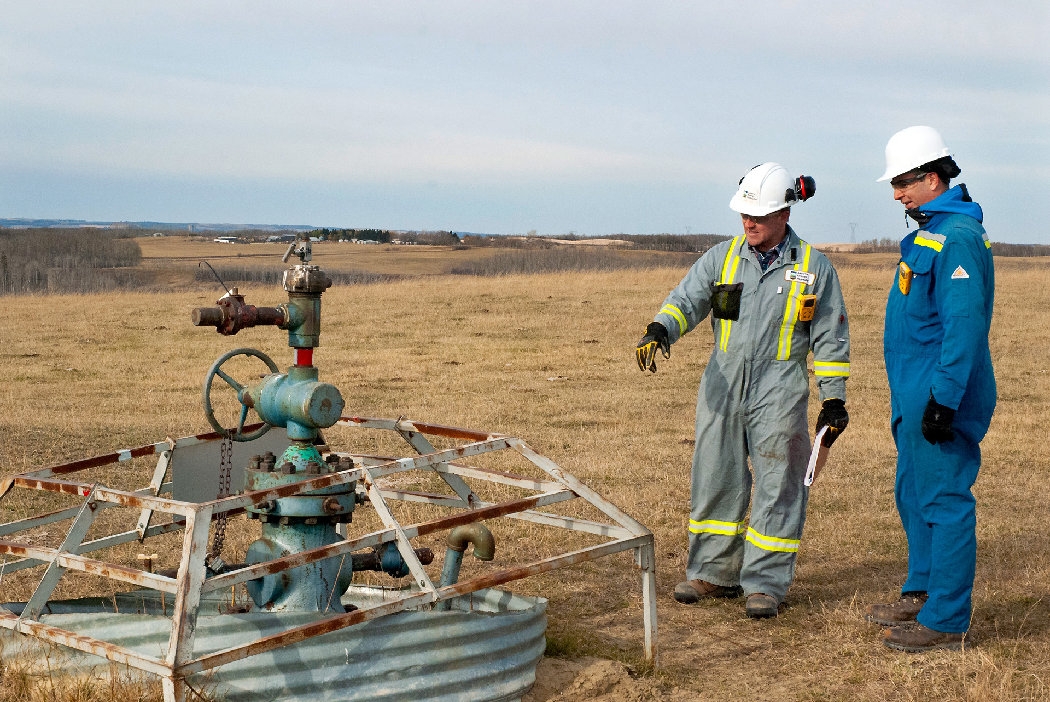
(713, 526)
(778, 444)
(721, 488)
(771, 543)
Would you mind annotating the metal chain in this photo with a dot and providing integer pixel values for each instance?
(225, 469)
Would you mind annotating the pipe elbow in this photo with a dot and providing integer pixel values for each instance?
(477, 534)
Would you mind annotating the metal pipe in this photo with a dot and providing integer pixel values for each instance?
(457, 540)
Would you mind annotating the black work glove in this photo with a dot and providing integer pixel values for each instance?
(937, 422)
(833, 414)
(655, 338)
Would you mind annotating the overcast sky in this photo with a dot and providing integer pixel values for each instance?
(594, 117)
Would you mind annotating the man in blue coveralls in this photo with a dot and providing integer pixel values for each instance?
(942, 390)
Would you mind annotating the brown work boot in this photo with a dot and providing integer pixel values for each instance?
(902, 611)
(761, 606)
(915, 638)
(692, 591)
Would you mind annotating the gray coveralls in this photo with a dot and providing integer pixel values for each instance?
(753, 403)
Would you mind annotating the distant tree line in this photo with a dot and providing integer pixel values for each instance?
(883, 245)
(570, 258)
(270, 276)
(380, 236)
(887, 245)
(672, 242)
(385, 236)
(66, 260)
(1023, 250)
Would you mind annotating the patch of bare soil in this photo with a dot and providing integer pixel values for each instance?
(595, 680)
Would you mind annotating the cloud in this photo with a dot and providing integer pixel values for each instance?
(588, 97)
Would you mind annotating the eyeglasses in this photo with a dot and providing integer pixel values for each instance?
(759, 219)
(903, 181)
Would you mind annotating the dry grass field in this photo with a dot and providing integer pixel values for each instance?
(550, 358)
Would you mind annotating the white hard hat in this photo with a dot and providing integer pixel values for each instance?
(768, 188)
(912, 147)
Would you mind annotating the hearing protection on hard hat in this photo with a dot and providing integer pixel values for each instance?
(912, 147)
(768, 188)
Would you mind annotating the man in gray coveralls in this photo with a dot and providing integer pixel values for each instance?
(773, 298)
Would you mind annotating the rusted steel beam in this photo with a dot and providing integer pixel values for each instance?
(613, 531)
(375, 538)
(425, 498)
(160, 471)
(446, 431)
(99, 461)
(137, 499)
(89, 546)
(38, 521)
(645, 560)
(188, 591)
(341, 621)
(585, 526)
(552, 469)
(421, 427)
(112, 652)
(301, 633)
(459, 486)
(404, 546)
(505, 575)
(494, 476)
(92, 566)
(64, 487)
(429, 460)
(127, 454)
(482, 513)
(255, 497)
(52, 517)
(55, 570)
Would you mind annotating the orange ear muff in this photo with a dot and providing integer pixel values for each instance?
(805, 187)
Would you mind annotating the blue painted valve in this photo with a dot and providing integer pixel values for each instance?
(297, 401)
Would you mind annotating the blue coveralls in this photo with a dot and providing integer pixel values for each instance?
(936, 341)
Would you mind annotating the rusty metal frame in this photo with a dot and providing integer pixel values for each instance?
(621, 531)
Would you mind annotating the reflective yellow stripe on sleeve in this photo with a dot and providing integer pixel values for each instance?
(930, 240)
(729, 268)
(771, 543)
(713, 526)
(670, 309)
(831, 368)
(787, 326)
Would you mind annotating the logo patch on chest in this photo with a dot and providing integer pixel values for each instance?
(793, 276)
(960, 273)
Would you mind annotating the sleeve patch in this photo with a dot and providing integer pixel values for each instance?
(959, 273)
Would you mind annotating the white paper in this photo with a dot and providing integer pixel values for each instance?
(811, 469)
